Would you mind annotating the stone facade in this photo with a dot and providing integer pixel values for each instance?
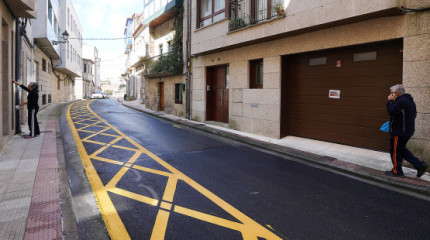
(151, 40)
(7, 111)
(152, 100)
(43, 76)
(309, 26)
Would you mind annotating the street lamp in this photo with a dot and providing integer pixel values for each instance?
(65, 38)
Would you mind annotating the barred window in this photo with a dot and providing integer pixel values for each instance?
(179, 88)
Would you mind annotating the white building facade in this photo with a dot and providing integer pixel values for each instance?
(85, 85)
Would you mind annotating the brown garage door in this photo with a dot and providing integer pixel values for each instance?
(362, 74)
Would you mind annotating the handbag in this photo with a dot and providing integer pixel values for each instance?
(385, 127)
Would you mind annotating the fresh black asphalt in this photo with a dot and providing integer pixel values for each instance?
(296, 200)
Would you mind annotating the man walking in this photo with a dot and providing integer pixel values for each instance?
(402, 110)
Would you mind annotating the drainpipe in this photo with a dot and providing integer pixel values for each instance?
(188, 64)
(19, 31)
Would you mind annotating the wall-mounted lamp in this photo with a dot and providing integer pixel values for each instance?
(65, 38)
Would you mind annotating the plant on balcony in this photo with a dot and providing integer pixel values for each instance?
(172, 63)
(236, 23)
(167, 65)
(279, 9)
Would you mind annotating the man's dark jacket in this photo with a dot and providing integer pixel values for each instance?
(403, 113)
(32, 98)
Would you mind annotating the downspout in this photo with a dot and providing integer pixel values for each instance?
(188, 64)
(19, 31)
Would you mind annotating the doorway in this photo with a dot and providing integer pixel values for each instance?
(161, 92)
(217, 94)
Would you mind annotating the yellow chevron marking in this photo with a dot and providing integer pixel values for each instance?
(81, 111)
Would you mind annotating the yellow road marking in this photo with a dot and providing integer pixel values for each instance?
(166, 206)
(209, 218)
(160, 225)
(124, 148)
(248, 227)
(114, 181)
(135, 196)
(112, 220)
(107, 160)
(169, 192)
(144, 169)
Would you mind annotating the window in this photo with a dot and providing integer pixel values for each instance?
(85, 68)
(256, 73)
(44, 65)
(179, 88)
(161, 49)
(259, 10)
(29, 70)
(169, 46)
(365, 56)
(50, 11)
(44, 99)
(210, 11)
(234, 8)
(36, 71)
(263, 9)
(55, 26)
(317, 61)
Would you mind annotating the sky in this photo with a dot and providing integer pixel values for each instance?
(106, 19)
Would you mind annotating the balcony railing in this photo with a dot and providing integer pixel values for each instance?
(244, 13)
(165, 65)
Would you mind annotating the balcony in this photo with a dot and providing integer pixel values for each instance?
(246, 13)
(164, 13)
(22, 8)
(165, 65)
(254, 21)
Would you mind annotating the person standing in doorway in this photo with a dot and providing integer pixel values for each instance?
(32, 106)
(402, 110)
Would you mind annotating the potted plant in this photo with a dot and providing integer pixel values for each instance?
(236, 23)
(279, 8)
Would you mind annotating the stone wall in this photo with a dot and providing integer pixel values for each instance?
(45, 77)
(416, 75)
(258, 110)
(152, 97)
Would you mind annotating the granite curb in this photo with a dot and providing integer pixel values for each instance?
(411, 185)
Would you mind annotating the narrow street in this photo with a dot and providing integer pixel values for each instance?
(151, 179)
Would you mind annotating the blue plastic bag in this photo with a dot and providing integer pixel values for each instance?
(385, 127)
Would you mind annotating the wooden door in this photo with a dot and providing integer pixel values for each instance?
(217, 94)
(161, 91)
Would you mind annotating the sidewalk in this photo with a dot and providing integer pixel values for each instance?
(29, 183)
(362, 163)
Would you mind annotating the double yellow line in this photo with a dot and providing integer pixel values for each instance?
(82, 112)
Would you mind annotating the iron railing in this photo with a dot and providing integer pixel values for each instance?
(242, 14)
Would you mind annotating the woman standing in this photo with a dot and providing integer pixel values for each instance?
(32, 106)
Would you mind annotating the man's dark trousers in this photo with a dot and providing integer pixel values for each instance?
(399, 151)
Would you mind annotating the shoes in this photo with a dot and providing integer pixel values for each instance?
(391, 174)
(421, 170)
(27, 137)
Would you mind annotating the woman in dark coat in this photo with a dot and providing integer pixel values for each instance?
(32, 106)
